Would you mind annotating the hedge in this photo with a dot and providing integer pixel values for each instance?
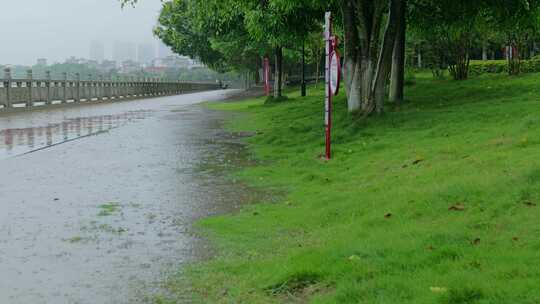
(478, 67)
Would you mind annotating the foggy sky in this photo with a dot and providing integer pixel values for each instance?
(57, 29)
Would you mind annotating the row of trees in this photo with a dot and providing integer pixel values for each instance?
(235, 34)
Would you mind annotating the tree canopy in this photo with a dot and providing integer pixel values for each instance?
(234, 35)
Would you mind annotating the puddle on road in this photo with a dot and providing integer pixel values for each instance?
(18, 141)
(90, 224)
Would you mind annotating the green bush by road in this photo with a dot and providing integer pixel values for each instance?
(435, 202)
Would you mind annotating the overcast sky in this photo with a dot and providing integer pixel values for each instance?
(57, 29)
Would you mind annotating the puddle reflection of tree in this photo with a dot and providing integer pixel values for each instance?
(53, 134)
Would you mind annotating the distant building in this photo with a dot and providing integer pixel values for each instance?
(177, 62)
(145, 54)
(97, 51)
(107, 66)
(94, 64)
(163, 50)
(172, 61)
(124, 51)
(155, 70)
(196, 64)
(130, 66)
(42, 62)
(73, 60)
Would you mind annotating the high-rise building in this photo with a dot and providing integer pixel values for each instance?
(145, 53)
(123, 51)
(42, 62)
(97, 51)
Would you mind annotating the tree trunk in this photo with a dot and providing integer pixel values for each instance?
(318, 71)
(397, 78)
(366, 78)
(514, 59)
(279, 72)
(258, 64)
(351, 64)
(419, 56)
(484, 52)
(385, 56)
(376, 69)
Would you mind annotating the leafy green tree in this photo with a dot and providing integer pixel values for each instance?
(281, 24)
(517, 21)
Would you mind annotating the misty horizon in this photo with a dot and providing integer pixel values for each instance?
(60, 29)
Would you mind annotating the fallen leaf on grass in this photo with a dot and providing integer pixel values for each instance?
(418, 160)
(438, 289)
(354, 257)
(457, 207)
(529, 204)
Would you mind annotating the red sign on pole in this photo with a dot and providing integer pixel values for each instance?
(266, 76)
(333, 78)
(335, 69)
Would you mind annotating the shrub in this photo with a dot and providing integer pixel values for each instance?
(478, 67)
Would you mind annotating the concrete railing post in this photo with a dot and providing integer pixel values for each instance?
(48, 86)
(107, 87)
(64, 87)
(29, 85)
(77, 87)
(89, 89)
(117, 88)
(100, 88)
(7, 86)
(135, 86)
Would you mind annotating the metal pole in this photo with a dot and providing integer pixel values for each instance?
(303, 69)
(328, 101)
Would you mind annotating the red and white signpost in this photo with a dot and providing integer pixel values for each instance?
(333, 78)
(266, 76)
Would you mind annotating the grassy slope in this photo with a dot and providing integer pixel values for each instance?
(374, 225)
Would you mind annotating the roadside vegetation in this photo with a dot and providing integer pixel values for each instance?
(434, 202)
(433, 193)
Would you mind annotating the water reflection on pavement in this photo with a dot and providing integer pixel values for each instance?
(96, 201)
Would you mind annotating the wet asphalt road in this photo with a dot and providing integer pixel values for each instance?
(96, 201)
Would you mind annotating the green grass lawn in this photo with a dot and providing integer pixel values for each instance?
(435, 202)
